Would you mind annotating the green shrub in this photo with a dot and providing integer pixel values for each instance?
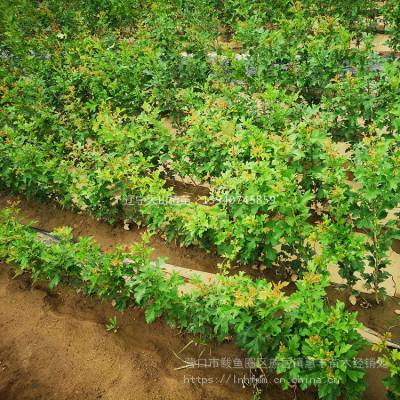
(390, 359)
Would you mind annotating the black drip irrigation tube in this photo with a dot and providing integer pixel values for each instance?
(51, 236)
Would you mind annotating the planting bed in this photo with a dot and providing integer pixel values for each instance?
(75, 322)
(59, 330)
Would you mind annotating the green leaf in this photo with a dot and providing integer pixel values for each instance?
(355, 375)
(55, 281)
(150, 315)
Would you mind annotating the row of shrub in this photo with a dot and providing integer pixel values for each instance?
(269, 202)
(172, 57)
